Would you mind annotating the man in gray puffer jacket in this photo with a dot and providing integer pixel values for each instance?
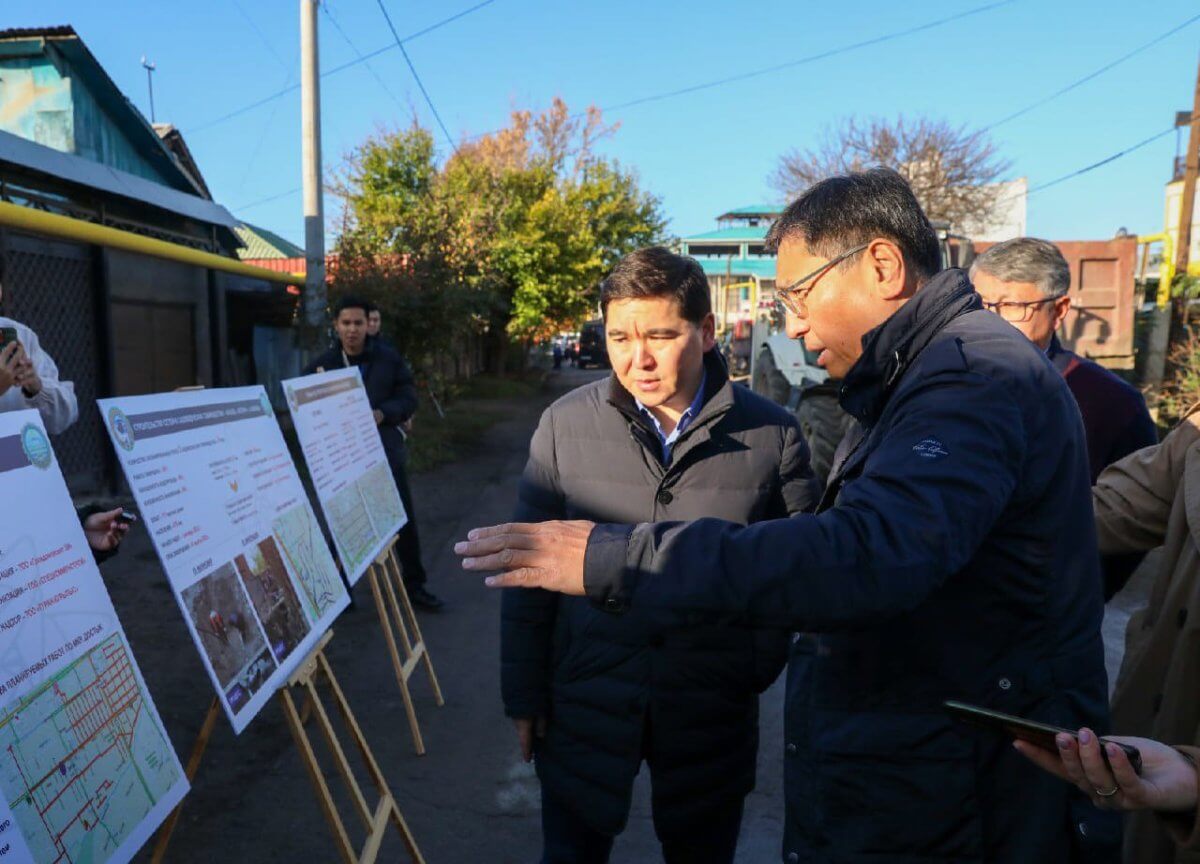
(667, 437)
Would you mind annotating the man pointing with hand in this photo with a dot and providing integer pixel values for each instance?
(952, 557)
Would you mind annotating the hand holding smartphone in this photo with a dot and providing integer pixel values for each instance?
(1039, 734)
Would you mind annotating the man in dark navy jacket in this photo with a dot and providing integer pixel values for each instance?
(953, 556)
(393, 396)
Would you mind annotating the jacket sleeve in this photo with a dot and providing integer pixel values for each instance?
(801, 492)
(1133, 496)
(527, 614)
(401, 403)
(56, 400)
(909, 521)
(1184, 828)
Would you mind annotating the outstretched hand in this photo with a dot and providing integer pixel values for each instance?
(541, 555)
(1167, 782)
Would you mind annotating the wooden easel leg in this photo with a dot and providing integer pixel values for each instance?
(163, 838)
(397, 663)
(388, 809)
(324, 799)
(394, 566)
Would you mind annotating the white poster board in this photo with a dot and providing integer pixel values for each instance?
(348, 465)
(232, 525)
(86, 771)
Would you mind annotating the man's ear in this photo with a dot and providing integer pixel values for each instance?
(1062, 306)
(884, 262)
(708, 332)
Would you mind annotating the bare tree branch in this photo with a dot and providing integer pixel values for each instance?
(953, 171)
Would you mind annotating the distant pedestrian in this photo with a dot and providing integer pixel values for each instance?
(393, 397)
(557, 351)
(29, 375)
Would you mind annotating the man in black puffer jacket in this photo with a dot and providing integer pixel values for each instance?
(668, 436)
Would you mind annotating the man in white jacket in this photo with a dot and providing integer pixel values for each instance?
(29, 377)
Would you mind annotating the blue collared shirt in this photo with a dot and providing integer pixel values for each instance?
(685, 420)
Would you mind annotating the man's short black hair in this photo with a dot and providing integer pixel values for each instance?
(659, 272)
(351, 302)
(839, 213)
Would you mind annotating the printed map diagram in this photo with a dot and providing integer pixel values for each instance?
(304, 547)
(382, 500)
(83, 759)
(351, 526)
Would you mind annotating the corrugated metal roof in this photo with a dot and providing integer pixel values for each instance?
(60, 30)
(763, 268)
(754, 210)
(740, 233)
(262, 244)
(94, 175)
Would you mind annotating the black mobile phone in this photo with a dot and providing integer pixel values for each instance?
(127, 516)
(1039, 734)
(7, 335)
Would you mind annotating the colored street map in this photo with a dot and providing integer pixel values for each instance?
(82, 759)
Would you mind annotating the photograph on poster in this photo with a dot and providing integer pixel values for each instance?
(270, 588)
(229, 634)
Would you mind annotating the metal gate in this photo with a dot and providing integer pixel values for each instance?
(50, 287)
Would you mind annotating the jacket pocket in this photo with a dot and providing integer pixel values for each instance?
(898, 786)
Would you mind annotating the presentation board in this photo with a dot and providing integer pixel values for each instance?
(86, 770)
(232, 525)
(349, 468)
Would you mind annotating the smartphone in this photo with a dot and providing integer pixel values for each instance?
(128, 517)
(1039, 734)
(7, 335)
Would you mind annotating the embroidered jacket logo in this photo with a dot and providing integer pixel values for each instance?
(930, 448)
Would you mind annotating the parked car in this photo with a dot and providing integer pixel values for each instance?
(592, 348)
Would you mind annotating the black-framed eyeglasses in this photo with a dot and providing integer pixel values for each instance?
(1016, 311)
(791, 296)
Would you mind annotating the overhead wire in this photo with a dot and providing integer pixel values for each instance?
(413, 69)
(258, 103)
(1079, 82)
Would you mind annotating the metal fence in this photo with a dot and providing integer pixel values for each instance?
(50, 287)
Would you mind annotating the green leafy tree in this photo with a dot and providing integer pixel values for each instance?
(509, 237)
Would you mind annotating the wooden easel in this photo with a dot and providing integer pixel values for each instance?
(397, 617)
(163, 838)
(376, 823)
(386, 810)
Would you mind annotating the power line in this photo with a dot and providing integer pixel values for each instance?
(359, 54)
(1102, 162)
(790, 64)
(261, 34)
(239, 208)
(237, 112)
(1081, 81)
(416, 77)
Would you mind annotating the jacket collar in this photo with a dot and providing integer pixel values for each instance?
(890, 348)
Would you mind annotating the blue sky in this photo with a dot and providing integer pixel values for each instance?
(702, 152)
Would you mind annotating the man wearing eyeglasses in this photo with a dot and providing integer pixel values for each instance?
(1025, 281)
(951, 557)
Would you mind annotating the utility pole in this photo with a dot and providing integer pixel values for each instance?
(149, 67)
(1191, 169)
(314, 207)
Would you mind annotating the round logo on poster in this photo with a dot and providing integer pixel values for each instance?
(37, 447)
(122, 429)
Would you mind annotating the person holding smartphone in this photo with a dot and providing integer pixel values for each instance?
(29, 375)
(1167, 786)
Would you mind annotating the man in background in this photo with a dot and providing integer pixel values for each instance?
(393, 397)
(1026, 281)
